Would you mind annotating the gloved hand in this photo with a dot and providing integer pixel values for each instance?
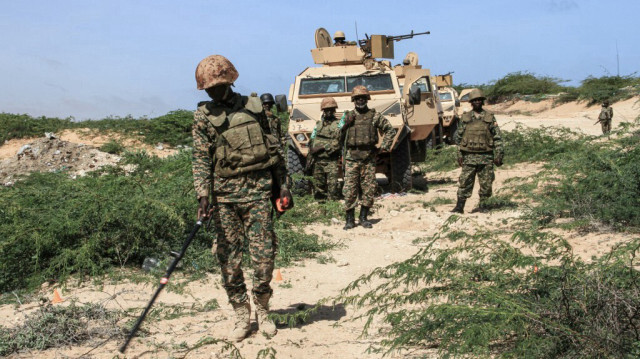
(497, 161)
(286, 199)
(203, 208)
(317, 149)
(349, 119)
(460, 161)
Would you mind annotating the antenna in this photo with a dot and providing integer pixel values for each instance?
(618, 58)
(357, 37)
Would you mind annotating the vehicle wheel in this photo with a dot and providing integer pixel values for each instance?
(401, 180)
(295, 166)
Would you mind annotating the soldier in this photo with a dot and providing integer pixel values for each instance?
(479, 149)
(325, 150)
(232, 155)
(361, 136)
(272, 122)
(339, 39)
(605, 117)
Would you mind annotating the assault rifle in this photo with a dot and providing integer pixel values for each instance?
(164, 280)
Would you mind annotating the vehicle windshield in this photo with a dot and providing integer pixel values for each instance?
(465, 97)
(445, 96)
(321, 86)
(379, 82)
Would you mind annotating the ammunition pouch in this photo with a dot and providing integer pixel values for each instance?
(477, 137)
(362, 132)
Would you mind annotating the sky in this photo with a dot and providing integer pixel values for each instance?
(91, 59)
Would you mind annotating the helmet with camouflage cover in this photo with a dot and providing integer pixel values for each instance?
(215, 70)
(339, 35)
(360, 91)
(328, 102)
(267, 98)
(476, 94)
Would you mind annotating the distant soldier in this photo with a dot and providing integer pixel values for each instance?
(271, 122)
(339, 39)
(605, 117)
(479, 149)
(361, 136)
(325, 151)
(240, 166)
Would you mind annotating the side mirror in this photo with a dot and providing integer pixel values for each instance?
(414, 95)
(457, 103)
(281, 103)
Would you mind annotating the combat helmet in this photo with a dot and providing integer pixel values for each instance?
(339, 35)
(328, 102)
(476, 94)
(360, 91)
(215, 70)
(267, 98)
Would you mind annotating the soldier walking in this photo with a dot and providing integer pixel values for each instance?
(479, 148)
(361, 136)
(325, 151)
(605, 117)
(242, 164)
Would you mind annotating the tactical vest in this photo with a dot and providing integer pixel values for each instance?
(605, 114)
(241, 146)
(326, 137)
(362, 133)
(477, 137)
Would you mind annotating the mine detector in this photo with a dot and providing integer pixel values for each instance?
(403, 94)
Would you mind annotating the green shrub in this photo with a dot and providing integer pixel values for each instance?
(113, 147)
(21, 126)
(522, 83)
(612, 88)
(527, 296)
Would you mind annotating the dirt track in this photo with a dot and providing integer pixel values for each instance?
(331, 333)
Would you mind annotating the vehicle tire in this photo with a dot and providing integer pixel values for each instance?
(401, 180)
(295, 166)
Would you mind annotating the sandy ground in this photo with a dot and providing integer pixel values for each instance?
(332, 332)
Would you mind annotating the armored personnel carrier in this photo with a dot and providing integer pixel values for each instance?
(404, 94)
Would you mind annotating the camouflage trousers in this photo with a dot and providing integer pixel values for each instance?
(606, 126)
(468, 177)
(234, 223)
(359, 178)
(325, 179)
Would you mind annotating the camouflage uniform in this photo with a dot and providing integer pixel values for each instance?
(605, 118)
(480, 163)
(325, 170)
(241, 202)
(360, 162)
(271, 124)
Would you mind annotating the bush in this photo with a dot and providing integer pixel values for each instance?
(21, 126)
(527, 296)
(522, 83)
(113, 147)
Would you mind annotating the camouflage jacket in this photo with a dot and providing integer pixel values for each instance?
(469, 158)
(379, 122)
(330, 133)
(271, 124)
(606, 114)
(246, 187)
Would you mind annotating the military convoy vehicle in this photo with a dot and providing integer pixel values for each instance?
(404, 94)
(450, 106)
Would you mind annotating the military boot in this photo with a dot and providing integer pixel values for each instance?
(364, 213)
(351, 219)
(459, 208)
(265, 325)
(242, 325)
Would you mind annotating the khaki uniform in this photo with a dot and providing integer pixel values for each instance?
(360, 156)
(229, 162)
(480, 142)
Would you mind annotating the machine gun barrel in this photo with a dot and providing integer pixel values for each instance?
(407, 36)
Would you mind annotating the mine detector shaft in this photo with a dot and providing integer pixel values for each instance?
(403, 94)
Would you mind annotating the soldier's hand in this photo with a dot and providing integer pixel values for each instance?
(268, 113)
(349, 119)
(203, 208)
(460, 161)
(497, 161)
(286, 198)
(317, 149)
